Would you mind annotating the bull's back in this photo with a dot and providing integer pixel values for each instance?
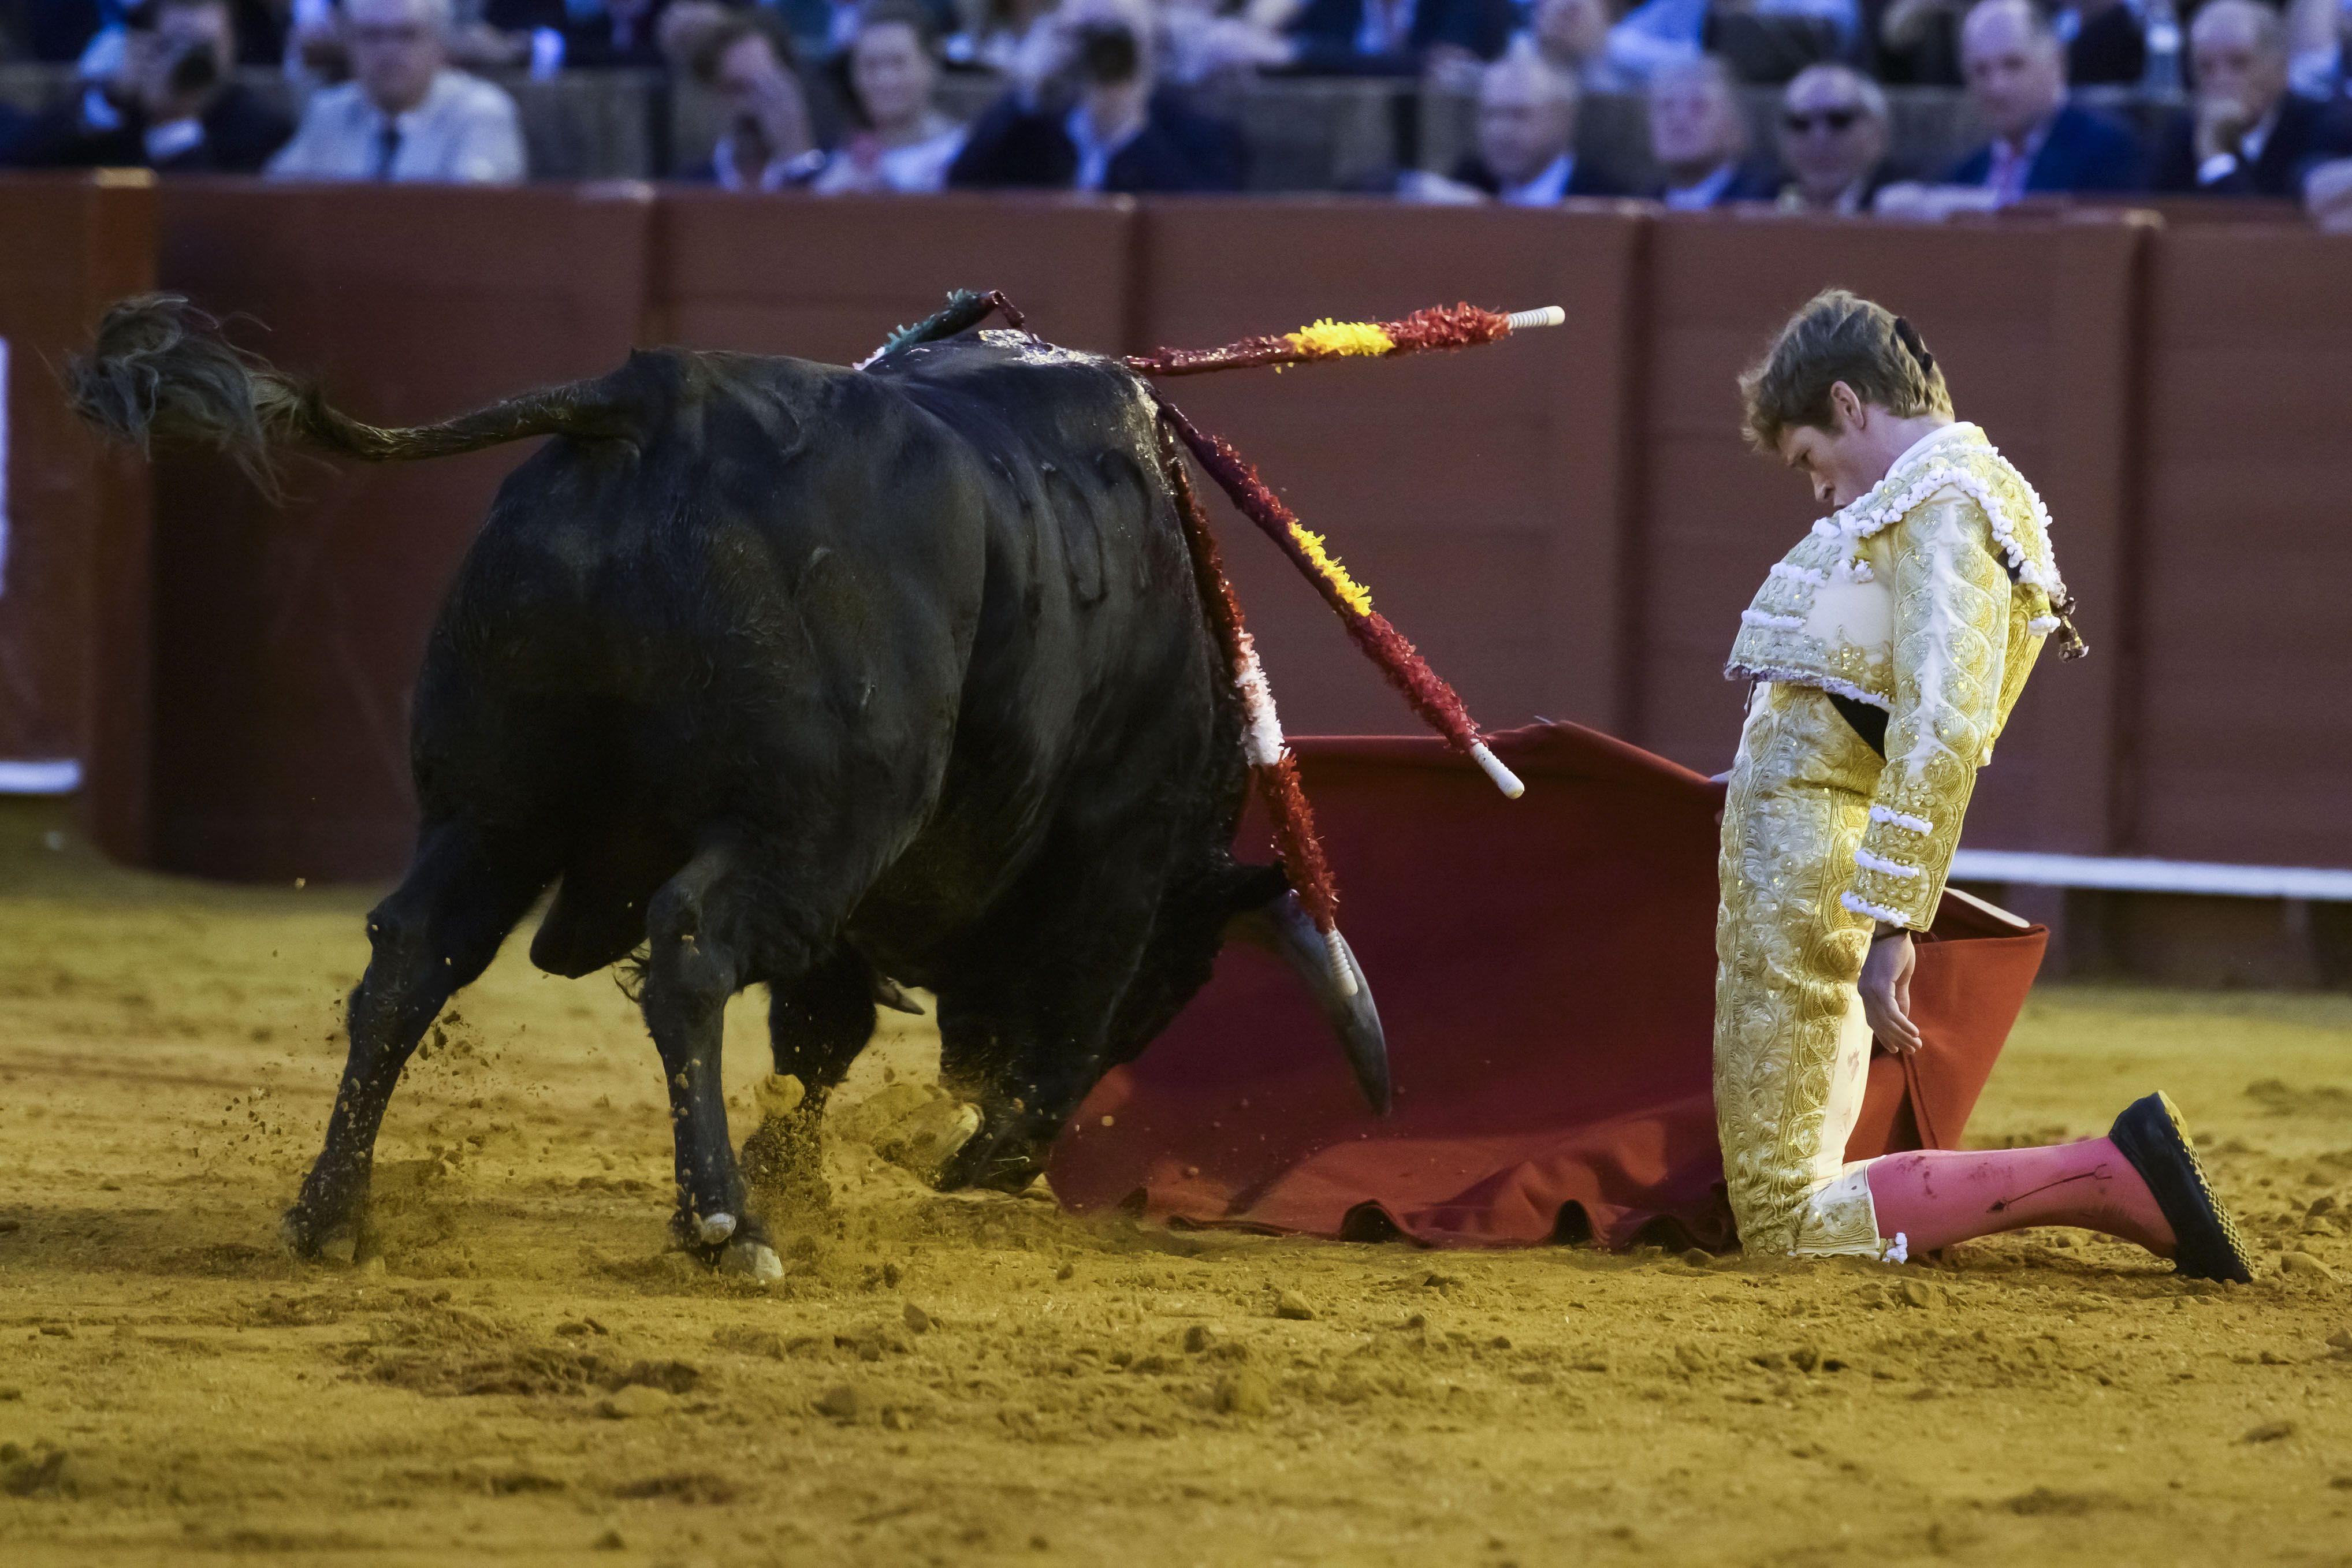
(784, 563)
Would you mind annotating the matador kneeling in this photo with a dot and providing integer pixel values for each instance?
(1886, 652)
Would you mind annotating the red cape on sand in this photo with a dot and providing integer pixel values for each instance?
(1545, 970)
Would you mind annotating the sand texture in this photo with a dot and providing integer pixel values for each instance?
(517, 1371)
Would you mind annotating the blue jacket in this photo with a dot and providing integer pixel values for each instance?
(1325, 34)
(2084, 151)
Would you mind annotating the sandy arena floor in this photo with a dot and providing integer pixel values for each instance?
(524, 1375)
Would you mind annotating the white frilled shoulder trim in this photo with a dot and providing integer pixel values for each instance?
(1946, 466)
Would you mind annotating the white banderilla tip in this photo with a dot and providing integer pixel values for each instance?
(1505, 779)
(1343, 973)
(1550, 316)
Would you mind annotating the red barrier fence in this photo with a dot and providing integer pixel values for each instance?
(1568, 524)
(73, 526)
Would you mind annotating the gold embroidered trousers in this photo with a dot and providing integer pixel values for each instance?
(1791, 1048)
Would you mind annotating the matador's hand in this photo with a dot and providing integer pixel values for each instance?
(1887, 992)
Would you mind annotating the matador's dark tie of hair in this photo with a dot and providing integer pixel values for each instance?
(1909, 336)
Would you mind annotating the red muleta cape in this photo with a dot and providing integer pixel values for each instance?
(1545, 970)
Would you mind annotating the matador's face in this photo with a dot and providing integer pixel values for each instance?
(1843, 459)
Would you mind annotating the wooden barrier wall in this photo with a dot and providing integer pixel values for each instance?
(73, 526)
(2242, 674)
(288, 637)
(1568, 524)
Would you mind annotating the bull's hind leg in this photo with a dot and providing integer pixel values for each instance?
(701, 928)
(435, 934)
(816, 1028)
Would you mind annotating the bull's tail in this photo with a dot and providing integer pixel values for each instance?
(161, 373)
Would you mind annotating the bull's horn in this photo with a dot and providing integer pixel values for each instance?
(888, 992)
(1281, 927)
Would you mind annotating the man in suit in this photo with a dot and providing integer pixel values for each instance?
(1526, 142)
(2016, 74)
(1396, 37)
(171, 107)
(1086, 113)
(2246, 134)
(404, 115)
(1834, 132)
(1698, 138)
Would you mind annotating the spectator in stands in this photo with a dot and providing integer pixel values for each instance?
(1572, 36)
(2319, 45)
(404, 114)
(59, 32)
(581, 35)
(1833, 136)
(1915, 43)
(1397, 37)
(1777, 37)
(1526, 142)
(1087, 112)
(993, 37)
(768, 144)
(2017, 79)
(2246, 135)
(2327, 196)
(1202, 40)
(904, 143)
(171, 106)
(2105, 42)
(824, 29)
(1698, 137)
(2321, 36)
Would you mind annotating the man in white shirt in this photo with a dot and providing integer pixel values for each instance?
(404, 114)
(1526, 142)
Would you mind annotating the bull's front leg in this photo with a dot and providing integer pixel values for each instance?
(695, 934)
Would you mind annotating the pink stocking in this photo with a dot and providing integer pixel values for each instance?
(1937, 1196)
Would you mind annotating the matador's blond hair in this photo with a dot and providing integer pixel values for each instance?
(1840, 337)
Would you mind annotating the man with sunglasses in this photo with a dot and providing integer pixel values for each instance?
(1833, 137)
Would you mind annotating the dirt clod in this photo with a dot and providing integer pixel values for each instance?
(843, 1402)
(2269, 1432)
(1290, 1304)
(1245, 1392)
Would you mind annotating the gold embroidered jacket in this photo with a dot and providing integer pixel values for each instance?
(1930, 598)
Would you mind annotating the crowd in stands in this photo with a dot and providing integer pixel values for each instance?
(1099, 95)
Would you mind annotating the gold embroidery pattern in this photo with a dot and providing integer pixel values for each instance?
(1954, 624)
(1788, 955)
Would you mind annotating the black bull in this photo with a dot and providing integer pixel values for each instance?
(808, 677)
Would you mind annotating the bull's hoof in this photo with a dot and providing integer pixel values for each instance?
(1000, 1164)
(307, 1235)
(714, 1228)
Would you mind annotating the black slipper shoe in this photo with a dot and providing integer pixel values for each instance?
(2206, 1242)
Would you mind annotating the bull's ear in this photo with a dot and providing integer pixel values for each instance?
(1282, 928)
